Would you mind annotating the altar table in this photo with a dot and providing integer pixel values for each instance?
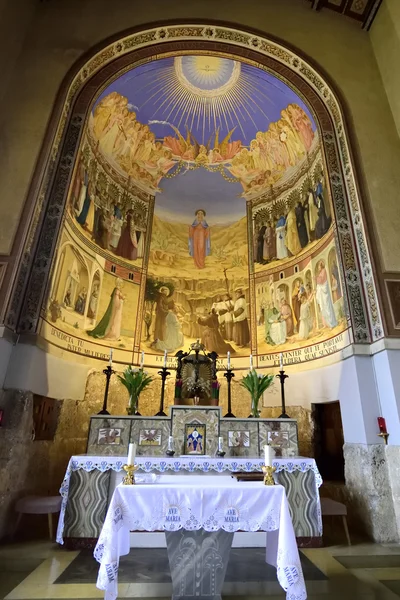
(88, 485)
(199, 516)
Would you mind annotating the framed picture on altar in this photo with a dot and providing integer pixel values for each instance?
(239, 439)
(109, 436)
(195, 439)
(278, 439)
(150, 437)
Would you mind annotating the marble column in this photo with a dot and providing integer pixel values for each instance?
(198, 562)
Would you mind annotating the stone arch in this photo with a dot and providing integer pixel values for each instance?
(140, 46)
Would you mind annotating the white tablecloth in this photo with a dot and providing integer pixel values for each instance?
(174, 503)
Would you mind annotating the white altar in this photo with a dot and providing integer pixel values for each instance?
(305, 499)
(210, 510)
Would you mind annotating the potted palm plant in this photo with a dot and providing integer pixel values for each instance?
(256, 385)
(135, 381)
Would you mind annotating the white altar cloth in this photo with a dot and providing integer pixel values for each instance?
(163, 464)
(178, 503)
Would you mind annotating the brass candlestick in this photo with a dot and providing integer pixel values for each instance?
(129, 478)
(384, 436)
(268, 475)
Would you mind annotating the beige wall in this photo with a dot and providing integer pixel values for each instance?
(62, 31)
(385, 38)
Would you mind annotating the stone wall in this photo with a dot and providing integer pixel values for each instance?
(33, 467)
(372, 490)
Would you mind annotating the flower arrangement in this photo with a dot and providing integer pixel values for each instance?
(197, 385)
(256, 385)
(135, 381)
(178, 388)
(215, 385)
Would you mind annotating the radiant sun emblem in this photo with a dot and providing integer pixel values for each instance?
(207, 76)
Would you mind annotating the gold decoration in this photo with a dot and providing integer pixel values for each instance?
(129, 478)
(268, 475)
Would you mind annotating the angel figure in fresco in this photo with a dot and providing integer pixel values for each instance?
(199, 239)
(109, 328)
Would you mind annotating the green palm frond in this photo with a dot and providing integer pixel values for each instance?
(256, 384)
(135, 380)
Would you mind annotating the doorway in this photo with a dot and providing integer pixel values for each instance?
(328, 440)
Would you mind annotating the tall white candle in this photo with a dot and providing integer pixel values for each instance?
(165, 358)
(229, 360)
(142, 361)
(111, 355)
(281, 361)
(251, 361)
(131, 454)
(220, 443)
(268, 455)
(170, 442)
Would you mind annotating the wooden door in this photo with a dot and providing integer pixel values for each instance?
(329, 441)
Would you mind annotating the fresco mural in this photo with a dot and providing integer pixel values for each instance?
(202, 111)
(199, 266)
(302, 307)
(198, 209)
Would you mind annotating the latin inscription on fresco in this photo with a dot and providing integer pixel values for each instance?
(306, 354)
(74, 344)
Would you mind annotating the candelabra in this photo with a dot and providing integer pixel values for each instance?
(282, 376)
(164, 374)
(107, 372)
(229, 374)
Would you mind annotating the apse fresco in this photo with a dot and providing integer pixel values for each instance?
(199, 209)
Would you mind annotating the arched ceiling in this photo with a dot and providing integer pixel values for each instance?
(204, 95)
(187, 112)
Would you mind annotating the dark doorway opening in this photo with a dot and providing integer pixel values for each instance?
(328, 440)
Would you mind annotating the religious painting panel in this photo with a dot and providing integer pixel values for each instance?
(195, 439)
(240, 437)
(150, 435)
(281, 435)
(195, 416)
(92, 303)
(108, 436)
(300, 310)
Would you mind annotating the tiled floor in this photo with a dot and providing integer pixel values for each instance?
(40, 570)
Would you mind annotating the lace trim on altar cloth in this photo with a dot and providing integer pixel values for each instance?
(88, 464)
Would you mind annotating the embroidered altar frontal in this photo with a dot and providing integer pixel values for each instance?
(84, 490)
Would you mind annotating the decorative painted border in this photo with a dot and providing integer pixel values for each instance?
(357, 265)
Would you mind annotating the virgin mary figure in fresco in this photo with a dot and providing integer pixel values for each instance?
(199, 239)
(109, 328)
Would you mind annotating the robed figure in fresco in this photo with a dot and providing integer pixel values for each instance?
(127, 245)
(211, 336)
(162, 309)
(241, 331)
(323, 297)
(199, 239)
(109, 328)
(173, 331)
